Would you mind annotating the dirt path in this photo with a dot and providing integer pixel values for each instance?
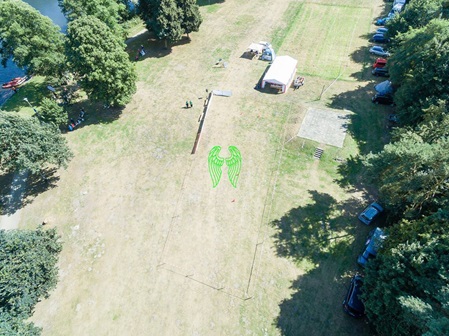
(11, 220)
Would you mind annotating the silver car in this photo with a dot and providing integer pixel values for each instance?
(379, 51)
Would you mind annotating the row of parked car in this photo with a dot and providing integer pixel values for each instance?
(353, 304)
(381, 36)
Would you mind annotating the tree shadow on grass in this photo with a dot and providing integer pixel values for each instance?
(28, 187)
(317, 229)
(208, 2)
(315, 307)
(154, 47)
(368, 126)
(326, 234)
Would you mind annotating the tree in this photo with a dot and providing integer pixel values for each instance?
(406, 289)
(107, 11)
(417, 14)
(420, 68)
(30, 38)
(411, 174)
(51, 112)
(164, 18)
(28, 144)
(28, 272)
(99, 59)
(13, 326)
(191, 16)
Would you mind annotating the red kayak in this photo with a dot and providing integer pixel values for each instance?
(14, 82)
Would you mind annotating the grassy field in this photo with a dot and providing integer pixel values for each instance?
(150, 248)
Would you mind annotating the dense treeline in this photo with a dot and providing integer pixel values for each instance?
(28, 272)
(407, 285)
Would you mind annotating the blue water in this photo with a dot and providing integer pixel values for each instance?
(48, 8)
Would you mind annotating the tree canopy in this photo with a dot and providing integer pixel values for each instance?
(407, 290)
(107, 11)
(28, 272)
(411, 174)
(28, 144)
(31, 39)
(51, 112)
(419, 67)
(170, 19)
(99, 59)
(417, 14)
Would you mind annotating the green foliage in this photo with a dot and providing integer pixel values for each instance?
(411, 174)
(170, 19)
(191, 16)
(30, 38)
(13, 326)
(28, 272)
(406, 289)
(51, 112)
(98, 57)
(28, 144)
(417, 14)
(420, 68)
(107, 11)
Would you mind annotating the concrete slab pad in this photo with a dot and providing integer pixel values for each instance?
(325, 126)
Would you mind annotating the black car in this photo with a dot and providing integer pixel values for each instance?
(384, 99)
(382, 72)
(352, 304)
(380, 38)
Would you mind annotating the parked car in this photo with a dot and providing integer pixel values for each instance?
(380, 63)
(382, 30)
(370, 213)
(380, 38)
(384, 99)
(353, 304)
(381, 72)
(373, 244)
(384, 20)
(394, 118)
(397, 8)
(379, 51)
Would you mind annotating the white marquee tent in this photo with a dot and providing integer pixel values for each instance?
(281, 73)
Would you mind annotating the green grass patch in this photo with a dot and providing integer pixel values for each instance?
(290, 18)
(323, 47)
(134, 26)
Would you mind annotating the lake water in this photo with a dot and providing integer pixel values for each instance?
(48, 8)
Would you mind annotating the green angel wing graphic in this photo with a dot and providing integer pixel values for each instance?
(234, 164)
(215, 163)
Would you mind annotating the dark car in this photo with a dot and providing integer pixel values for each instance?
(382, 72)
(380, 38)
(370, 213)
(373, 244)
(353, 304)
(384, 20)
(384, 99)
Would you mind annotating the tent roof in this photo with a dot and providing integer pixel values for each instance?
(281, 70)
(256, 46)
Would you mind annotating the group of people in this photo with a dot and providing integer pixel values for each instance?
(80, 119)
(140, 52)
(189, 104)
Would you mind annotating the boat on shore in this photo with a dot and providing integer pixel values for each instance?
(14, 82)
